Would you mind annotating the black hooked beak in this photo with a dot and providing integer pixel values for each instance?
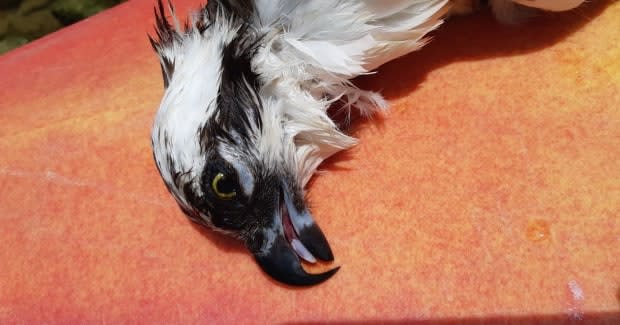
(292, 235)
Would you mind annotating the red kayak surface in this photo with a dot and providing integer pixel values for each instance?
(489, 193)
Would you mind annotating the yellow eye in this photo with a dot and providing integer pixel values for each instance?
(223, 188)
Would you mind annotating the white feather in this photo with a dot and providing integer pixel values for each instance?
(317, 47)
(187, 105)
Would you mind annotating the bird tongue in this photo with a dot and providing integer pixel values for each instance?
(291, 236)
(280, 248)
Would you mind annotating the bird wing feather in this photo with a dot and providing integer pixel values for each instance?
(321, 45)
(313, 48)
(352, 37)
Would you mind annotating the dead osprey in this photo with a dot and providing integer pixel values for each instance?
(243, 122)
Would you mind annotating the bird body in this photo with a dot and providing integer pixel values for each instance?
(244, 124)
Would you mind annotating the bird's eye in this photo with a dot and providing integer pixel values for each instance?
(223, 187)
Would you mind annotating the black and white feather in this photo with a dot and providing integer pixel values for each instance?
(244, 124)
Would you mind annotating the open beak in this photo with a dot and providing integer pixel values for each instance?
(292, 236)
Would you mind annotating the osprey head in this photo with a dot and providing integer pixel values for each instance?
(223, 144)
